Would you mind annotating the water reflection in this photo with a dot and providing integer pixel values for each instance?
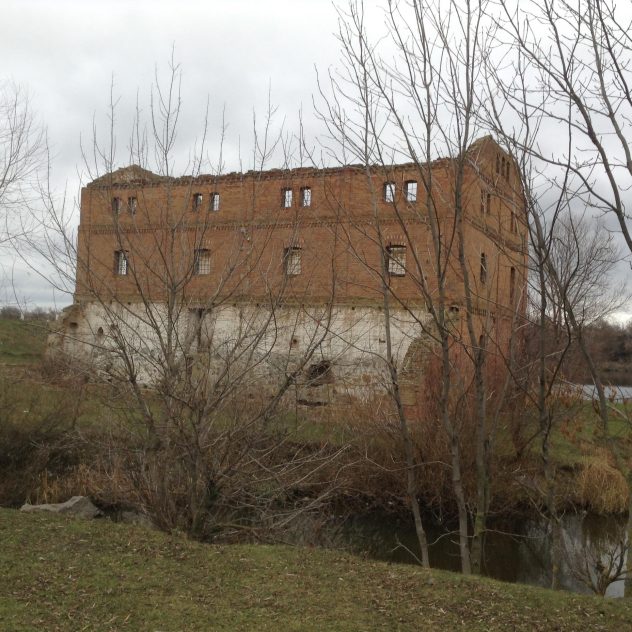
(590, 549)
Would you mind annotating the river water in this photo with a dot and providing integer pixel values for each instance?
(518, 552)
(614, 393)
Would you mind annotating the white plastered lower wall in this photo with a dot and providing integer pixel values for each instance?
(331, 352)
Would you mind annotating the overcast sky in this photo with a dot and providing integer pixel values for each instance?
(69, 53)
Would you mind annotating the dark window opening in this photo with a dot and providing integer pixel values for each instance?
(198, 315)
(486, 202)
(117, 205)
(512, 283)
(196, 201)
(483, 270)
(320, 373)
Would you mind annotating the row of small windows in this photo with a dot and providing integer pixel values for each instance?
(197, 201)
(201, 262)
(486, 205)
(410, 191)
(292, 261)
(394, 257)
(503, 166)
(486, 202)
(287, 197)
(117, 205)
(395, 260)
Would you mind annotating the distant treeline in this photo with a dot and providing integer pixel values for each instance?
(611, 347)
(11, 312)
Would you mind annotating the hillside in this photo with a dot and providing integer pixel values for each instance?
(63, 574)
(22, 341)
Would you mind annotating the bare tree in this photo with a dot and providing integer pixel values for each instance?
(570, 257)
(406, 104)
(22, 145)
(197, 331)
(576, 58)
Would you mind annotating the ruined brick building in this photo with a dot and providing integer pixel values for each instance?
(294, 270)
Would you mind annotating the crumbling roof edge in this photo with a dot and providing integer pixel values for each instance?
(136, 175)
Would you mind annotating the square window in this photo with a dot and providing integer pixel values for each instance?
(202, 261)
(410, 189)
(292, 261)
(214, 202)
(286, 198)
(121, 266)
(306, 196)
(396, 260)
(132, 205)
(389, 191)
(196, 201)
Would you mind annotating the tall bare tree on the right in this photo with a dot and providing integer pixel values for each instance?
(411, 98)
(558, 96)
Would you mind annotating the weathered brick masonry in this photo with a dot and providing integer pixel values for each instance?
(300, 254)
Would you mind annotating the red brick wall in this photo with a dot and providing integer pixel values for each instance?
(339, 234)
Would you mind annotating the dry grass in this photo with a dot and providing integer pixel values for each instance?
(601, 486)
(58, 574)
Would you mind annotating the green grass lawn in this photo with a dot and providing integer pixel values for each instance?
(63, 574)
(22, 342)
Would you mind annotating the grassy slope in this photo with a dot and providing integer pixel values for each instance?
(64, 574)
(22, 342)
